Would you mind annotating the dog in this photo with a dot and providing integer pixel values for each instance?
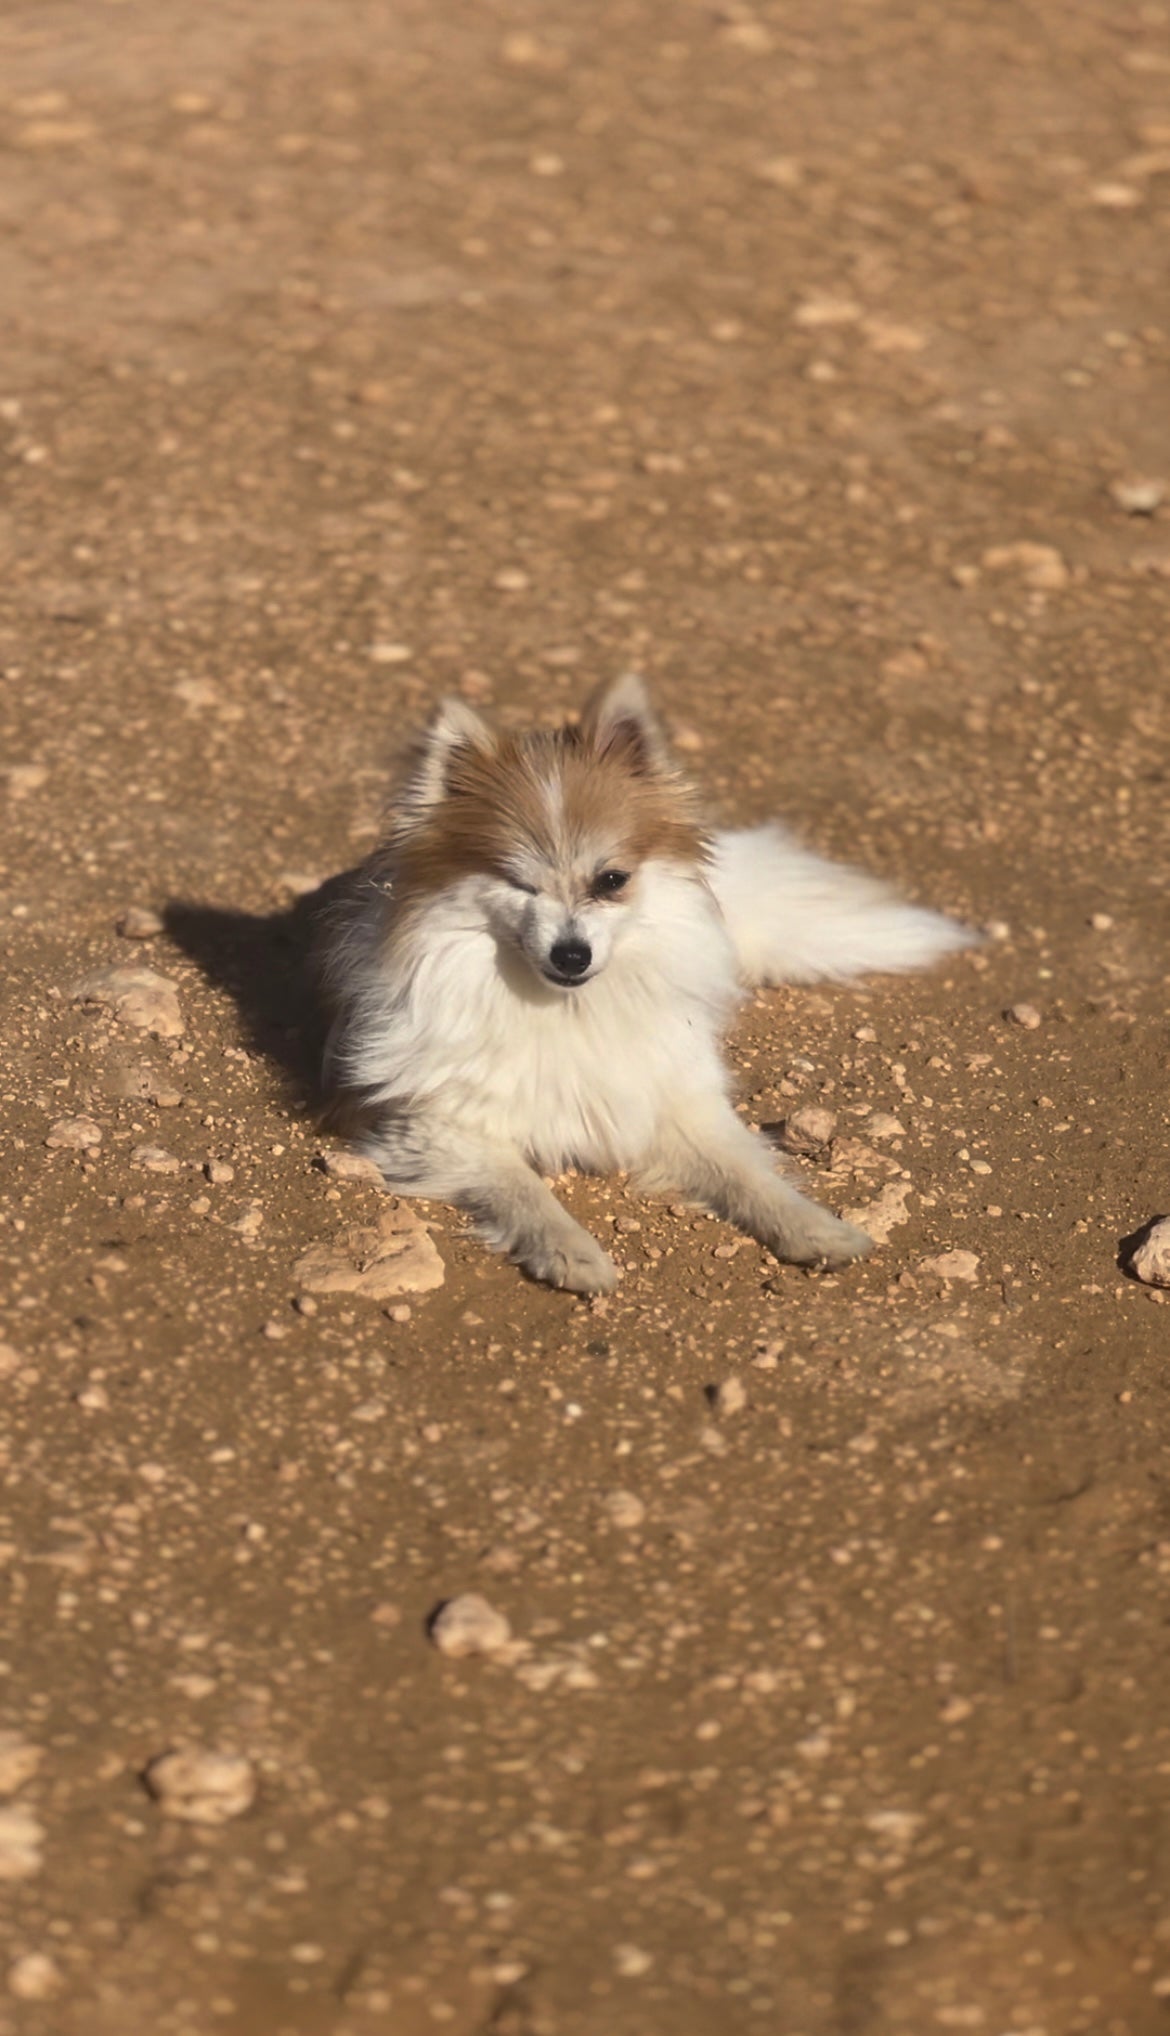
(537, 969)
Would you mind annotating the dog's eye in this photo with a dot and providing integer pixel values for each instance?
(610, 882)
(518, 884)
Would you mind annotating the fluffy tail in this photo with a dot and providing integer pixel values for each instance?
(795, 918)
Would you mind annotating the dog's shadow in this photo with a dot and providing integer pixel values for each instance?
(265, 963)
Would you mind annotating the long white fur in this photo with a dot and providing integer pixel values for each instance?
(473, 1071)
(795, 918)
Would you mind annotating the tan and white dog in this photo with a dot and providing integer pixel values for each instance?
(538, 967)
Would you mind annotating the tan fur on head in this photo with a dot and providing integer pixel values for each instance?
(481, 803)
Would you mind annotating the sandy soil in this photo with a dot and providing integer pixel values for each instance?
(810, 360)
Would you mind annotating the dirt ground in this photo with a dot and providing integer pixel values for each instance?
(811, 360)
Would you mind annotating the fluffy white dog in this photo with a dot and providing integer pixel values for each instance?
(538, 966)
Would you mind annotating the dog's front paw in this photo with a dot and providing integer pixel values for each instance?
(820, 1238)
(576, 1263)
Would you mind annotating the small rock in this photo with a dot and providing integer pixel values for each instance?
(201, 1787)
(389, 654)
(510, 580)
(21, 1838)
(1150, 1259)
(345, 1165)
(250, 1224)
(630, 1961)
(395, 1257)
(899, 1826)
(74, 1134)
(885, 335)
(952, 1265)
(1039, 565)
(468, 1624)
(34, 1977)
(1137, 497)
(1101, 922)
(138, 996)
(155, 1159)
(814, 312)
(783, 171)
(19, 1761)
(1024, 1014)
(24, 778)
(624, 1509)
(880, 1124)
(807, 1130)
(881, 1216)
(138, 922)
(729, 1396)
(219, 1172)
(297, 884)
(1115, 197)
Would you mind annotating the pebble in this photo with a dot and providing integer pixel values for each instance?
(19, 1761)
(297, 884)
(138, 922)
(624, 1509)
(807, 1130)
(219, 1172)
(138, 996)
(729, 1396)
(25, 778)
(1039, 565)
(879, 1124)
(814, 312)
(348, 1166)
(881, 1215)
(1023, 1014)
(469, 1624)
(155, 1159)
(74, 1134)
(21, 1838)
(398, 1256)
(389, 653)
(510, 580)
(1150, 1260)
(630, 1961)
(34, 1977)
(200, 1786)
(1101, 922)
(951, 1265)
(1138, 497)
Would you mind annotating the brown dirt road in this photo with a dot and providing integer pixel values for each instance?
(359, 351)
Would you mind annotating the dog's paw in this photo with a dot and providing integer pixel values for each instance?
(576, 1263)
(821, 1239)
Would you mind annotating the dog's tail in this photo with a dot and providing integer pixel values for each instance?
(795, 918)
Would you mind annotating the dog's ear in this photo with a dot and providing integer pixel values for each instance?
(455, 731)
(618, 721)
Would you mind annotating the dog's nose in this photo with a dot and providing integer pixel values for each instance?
(571, 957)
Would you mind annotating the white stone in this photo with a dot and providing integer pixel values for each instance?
(624, 1509)
(19, 1761)
(397, 1256)
(21, 1838)
(74, 1134)
(952, 1265)
(138, 996)
(1150, 1261)
(200, 1786)
(469, 1624)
